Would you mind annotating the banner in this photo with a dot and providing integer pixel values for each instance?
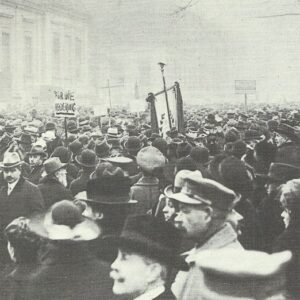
(65, 104)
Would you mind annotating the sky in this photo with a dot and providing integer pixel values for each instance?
(206, 46)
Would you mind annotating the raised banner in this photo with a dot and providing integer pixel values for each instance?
(65, 104)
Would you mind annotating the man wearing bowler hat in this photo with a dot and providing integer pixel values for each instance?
(147, 252)
(18, 197)
(54, 185)
(87, 161)
(204, 207)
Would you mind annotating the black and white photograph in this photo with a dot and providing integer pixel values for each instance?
(149, 149)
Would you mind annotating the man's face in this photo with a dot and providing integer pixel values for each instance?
(61, 175)
(12, 174)
(129, 272)
(35, 160)
(193, 220)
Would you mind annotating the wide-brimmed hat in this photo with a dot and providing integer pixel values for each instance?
(112, 132)
(151, 237)
(37, 150)
(64, 222)
(112, 188)
(87, 159)
(52, 165)
(150, 158)
(102, 149)
(133, 144)
(11, 160)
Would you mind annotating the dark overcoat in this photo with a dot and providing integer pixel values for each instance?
(53, 191)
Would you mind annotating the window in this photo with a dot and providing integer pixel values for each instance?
(78, 58)
(28, 56)
(6, 52)
(56, 56)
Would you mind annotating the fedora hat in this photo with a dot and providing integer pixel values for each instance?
(52, 165)
(64, 222)
(87, 159)
(11, 160)
(133, 144)
(37, 150)
(152, 237)
(102, 149)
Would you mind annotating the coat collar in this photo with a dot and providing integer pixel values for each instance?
(17, 187)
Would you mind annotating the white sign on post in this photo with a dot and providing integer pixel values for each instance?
(65, 104)
(245, 86)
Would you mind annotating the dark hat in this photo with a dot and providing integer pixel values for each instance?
(102, 149)
(161, 145)
(183, 149)
(50, 126)
(154, 136)
(37, 150)
(281, 173)
(112, 188)
(288, 155)
(9, 128)
(252, 135)
(200, 155)
(72, 127)
(52, 165)
(11, 160)
(63, 153)
(87, 159)
(86, 128)
(25, 139)
(64, 222)
(75, 147)
(172, 133)
(114, 143)
(153, 238)
(133, 144)
(230, 274)
(198, 190)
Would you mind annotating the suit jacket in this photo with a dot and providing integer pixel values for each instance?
(79, 185)
(36, 174)
(53, 191)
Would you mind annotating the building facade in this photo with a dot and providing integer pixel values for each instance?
(43, 44)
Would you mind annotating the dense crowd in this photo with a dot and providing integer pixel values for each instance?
(108, 208)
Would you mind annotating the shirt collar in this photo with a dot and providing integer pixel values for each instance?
(12, 185)
(152, 294)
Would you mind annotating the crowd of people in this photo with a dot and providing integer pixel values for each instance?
(109, 208)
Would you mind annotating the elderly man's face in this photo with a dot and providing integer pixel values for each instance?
(193, 220)
(11, 175)
(130, 274)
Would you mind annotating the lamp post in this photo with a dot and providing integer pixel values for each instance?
(162, 66)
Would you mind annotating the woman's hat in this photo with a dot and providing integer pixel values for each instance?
(64, 222)
(153, 238)
(87, 159)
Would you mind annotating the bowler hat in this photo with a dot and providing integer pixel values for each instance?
(52, 165)
(113, 132)
(153, 238)
(75, 147)
(87, 159)
(198, 191)
(50, 126)
(64, 222)
(150, 158)
(11, 160)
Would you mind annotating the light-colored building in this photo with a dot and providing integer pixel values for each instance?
(43, 44)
